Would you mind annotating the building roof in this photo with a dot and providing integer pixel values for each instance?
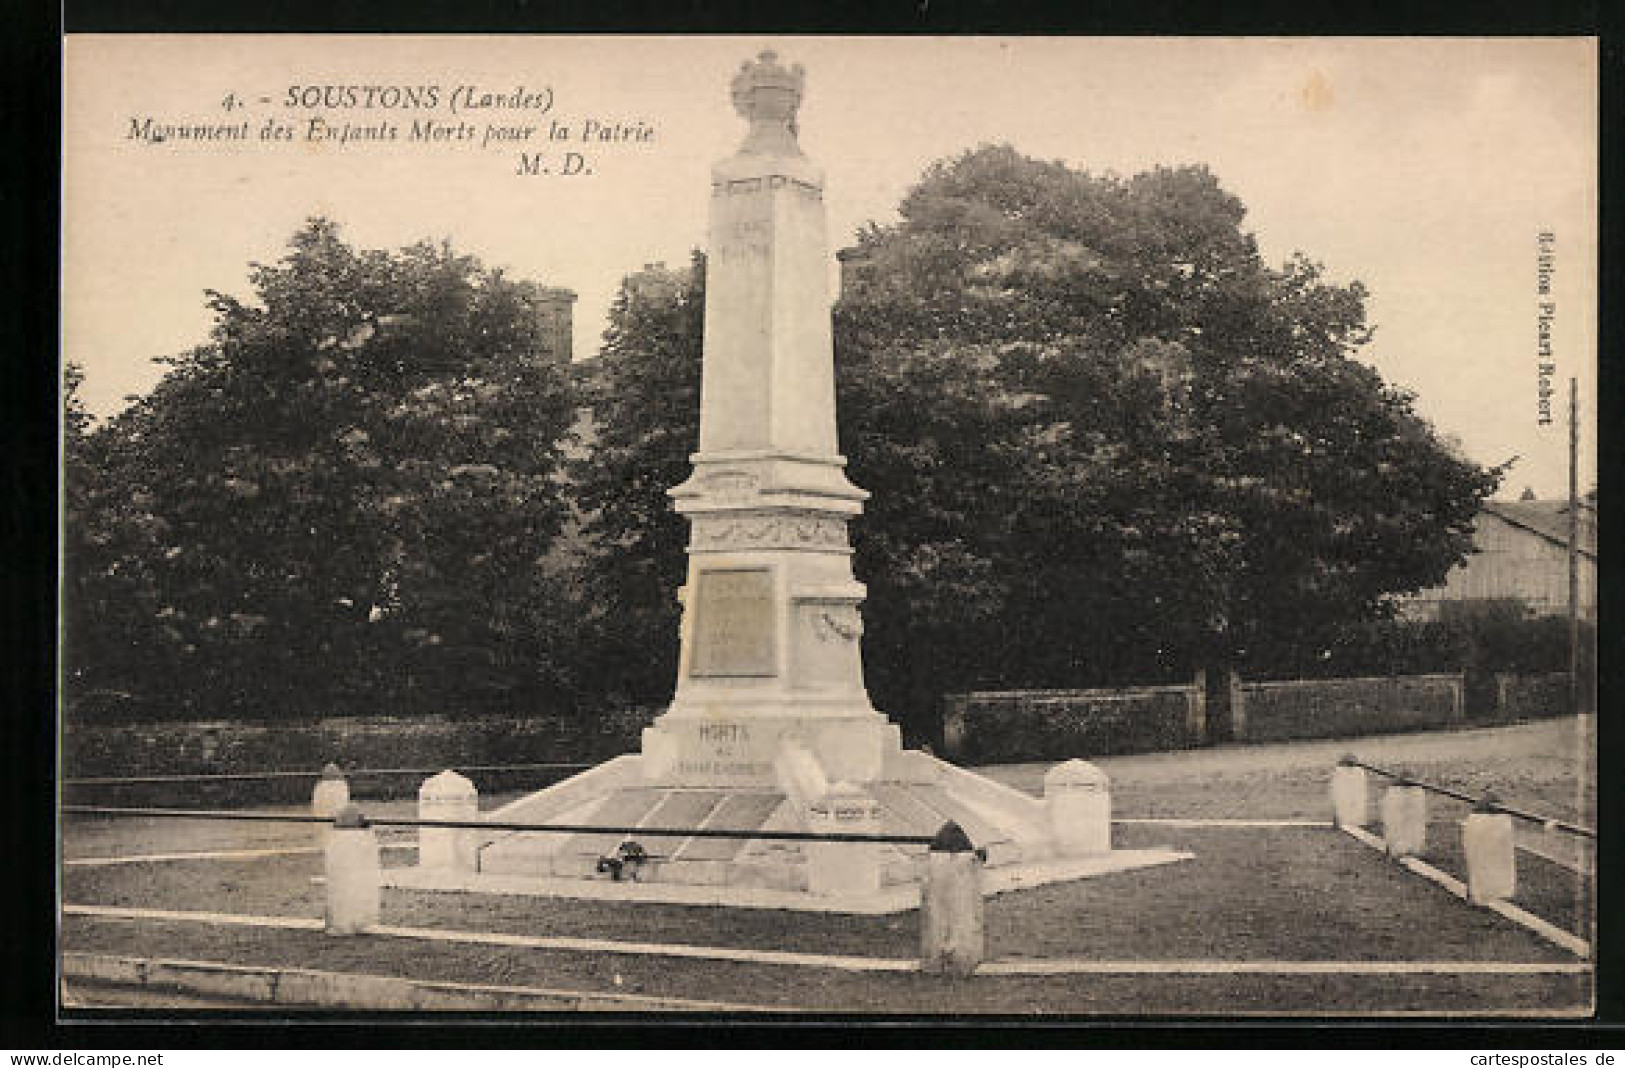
(1549, 520)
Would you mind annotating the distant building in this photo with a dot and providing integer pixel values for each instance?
(554, 313)
(655, 282)
(855, 262)
(1520, 553)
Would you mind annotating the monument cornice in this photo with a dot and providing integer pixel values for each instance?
(732, 456)
(767, 180)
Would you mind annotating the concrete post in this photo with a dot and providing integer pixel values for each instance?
(1492, 860)
(844, 867)
(952, 935)
(1078, 805)
(447, 796)
(352, 874)
(1351, 804)
(1404, 819)
(332, 793)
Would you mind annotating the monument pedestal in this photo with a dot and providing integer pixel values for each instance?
(914, 795)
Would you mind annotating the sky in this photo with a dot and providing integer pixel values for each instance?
(1424, 168)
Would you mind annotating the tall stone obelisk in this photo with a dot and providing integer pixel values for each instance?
(770, 634)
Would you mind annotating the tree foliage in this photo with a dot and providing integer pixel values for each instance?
(1107, 443)
(643, 396)
(335, 505)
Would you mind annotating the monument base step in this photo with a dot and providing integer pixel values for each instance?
(900, 897)
(917, 809)
(918, 796)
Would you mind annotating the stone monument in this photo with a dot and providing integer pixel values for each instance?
(770, 727)
(771, 621)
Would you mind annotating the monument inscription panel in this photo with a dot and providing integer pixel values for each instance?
(733, 624)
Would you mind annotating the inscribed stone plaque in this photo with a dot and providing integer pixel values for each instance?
(733, 624)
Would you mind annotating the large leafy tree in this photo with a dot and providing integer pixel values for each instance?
(1108, 443)
(116, 645)
(344, 494)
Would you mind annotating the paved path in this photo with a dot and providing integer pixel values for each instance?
(1546, 766)
(1551, 739)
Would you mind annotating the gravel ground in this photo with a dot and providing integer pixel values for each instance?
(1538, 766)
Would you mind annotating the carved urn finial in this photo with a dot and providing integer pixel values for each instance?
(768, 96)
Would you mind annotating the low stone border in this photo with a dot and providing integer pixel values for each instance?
(303, 988)
(1086, 966)
(216, 854)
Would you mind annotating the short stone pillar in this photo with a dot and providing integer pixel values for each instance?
(332, 793)
(447, 796)
(352, 874)
(844, 867)
(1078, 806)
(1492, 861)
(952, 933)
(1351, 804)
(1404, 814)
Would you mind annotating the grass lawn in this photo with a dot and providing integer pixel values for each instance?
(1282, 894)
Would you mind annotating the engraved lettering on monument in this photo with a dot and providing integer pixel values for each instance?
(733, 624)
(724, 739)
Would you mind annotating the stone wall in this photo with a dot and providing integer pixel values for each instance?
(1032, 725)
(1020, 725)
(1531, 696)
(225, 748)
(1330, 708)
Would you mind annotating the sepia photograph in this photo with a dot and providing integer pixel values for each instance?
(944, 528)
